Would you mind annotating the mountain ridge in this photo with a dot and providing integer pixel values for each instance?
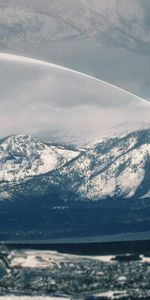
(25, 156)
(113, 167)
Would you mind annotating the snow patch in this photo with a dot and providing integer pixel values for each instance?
(24, 156)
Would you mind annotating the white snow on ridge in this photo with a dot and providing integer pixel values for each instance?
(112, 167)
(23, 156)
(127, 181)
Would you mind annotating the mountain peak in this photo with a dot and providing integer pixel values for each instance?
(23, 156)
(113, 167)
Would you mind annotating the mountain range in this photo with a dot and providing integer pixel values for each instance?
(53, 192)
(110, 167)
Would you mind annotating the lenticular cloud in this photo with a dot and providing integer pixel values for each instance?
(37, 96)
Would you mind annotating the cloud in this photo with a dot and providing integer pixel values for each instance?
(109, 40)
(36, 96)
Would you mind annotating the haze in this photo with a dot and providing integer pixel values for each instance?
(36, 96)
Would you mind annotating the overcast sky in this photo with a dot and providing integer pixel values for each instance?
(109, 39)
(36, 96)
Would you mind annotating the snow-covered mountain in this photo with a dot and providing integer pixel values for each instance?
(23, 156)
(113, 167)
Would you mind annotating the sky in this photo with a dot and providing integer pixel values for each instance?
(107, 39)
(37, 96)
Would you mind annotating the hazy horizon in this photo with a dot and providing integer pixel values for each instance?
(37, 96)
